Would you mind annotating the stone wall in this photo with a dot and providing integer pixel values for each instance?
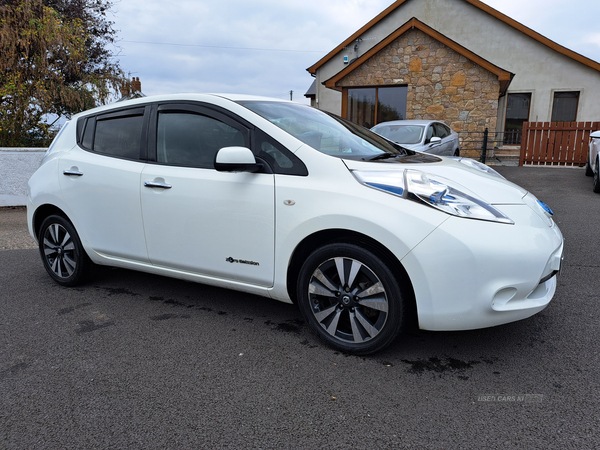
(442, 84)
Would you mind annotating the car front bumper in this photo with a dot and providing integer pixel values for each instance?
(471, 274)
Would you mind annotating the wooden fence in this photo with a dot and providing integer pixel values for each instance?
(556, 143)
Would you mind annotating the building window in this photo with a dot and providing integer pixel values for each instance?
(361, 106)
(370, 106)
(517, 112)
(391, 103)
(564, 108)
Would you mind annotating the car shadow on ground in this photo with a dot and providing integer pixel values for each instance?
(419, 351)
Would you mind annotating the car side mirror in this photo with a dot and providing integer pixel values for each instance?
(236, 159)
(595, 134)
(435, 141)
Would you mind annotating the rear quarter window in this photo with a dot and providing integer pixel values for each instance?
(119, 134)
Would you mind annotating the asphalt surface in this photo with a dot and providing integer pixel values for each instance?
(132, 360)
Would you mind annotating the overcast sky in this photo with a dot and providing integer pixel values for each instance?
(263, 47)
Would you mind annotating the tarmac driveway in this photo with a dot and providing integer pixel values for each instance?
(138, 361)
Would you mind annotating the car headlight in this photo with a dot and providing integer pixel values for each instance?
(433, 190)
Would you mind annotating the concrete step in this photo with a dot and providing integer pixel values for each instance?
(507, 155)
(502, 162)
(504, 152)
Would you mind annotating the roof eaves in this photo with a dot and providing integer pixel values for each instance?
(313, 69)
(478, 4)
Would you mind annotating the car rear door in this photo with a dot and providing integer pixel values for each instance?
(100, 182)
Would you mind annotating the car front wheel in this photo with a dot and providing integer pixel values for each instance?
(350, 298)
(63, 255)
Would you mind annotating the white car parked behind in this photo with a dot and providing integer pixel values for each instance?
(592, 168)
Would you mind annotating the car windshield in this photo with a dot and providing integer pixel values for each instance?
(403, 134)
(325, 132)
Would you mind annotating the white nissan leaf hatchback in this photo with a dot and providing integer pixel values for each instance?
(285, 201)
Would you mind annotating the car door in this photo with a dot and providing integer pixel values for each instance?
(100, 182)
(219, 224)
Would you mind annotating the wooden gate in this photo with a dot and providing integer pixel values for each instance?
(556, 143)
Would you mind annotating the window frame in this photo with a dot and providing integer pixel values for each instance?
(445, 130)
(190, 108)
(251, 134)
(346, 100)
(91, 121)
(430, 126)
(298, 167)
(565, 91)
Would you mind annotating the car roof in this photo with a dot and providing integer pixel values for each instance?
(211, 98)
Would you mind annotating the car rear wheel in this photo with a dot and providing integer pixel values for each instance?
(63, 255)
(350, 298)
(597, 178)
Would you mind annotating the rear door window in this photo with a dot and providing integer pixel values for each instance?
(120, 137)
(119, 134)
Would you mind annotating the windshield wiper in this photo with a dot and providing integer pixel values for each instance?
(385, 155)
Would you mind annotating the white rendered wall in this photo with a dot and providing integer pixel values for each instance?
(16, 167)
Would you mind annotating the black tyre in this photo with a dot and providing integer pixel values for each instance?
(588, 169)
(63, 255)
(456, 152)
(597, 178)
(350, 299)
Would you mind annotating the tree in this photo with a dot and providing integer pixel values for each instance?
(100, 34)
(53, 62)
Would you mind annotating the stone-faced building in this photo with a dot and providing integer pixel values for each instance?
(458, 61)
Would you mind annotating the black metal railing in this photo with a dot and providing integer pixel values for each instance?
(512, 137)
(477, 144)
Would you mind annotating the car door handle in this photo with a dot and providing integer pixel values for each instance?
(72, 172)
(155, 184)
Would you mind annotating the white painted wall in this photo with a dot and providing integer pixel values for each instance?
(537, 68)
(16, 167)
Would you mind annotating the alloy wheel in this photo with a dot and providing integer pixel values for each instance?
(59, 251)
(348, 300)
